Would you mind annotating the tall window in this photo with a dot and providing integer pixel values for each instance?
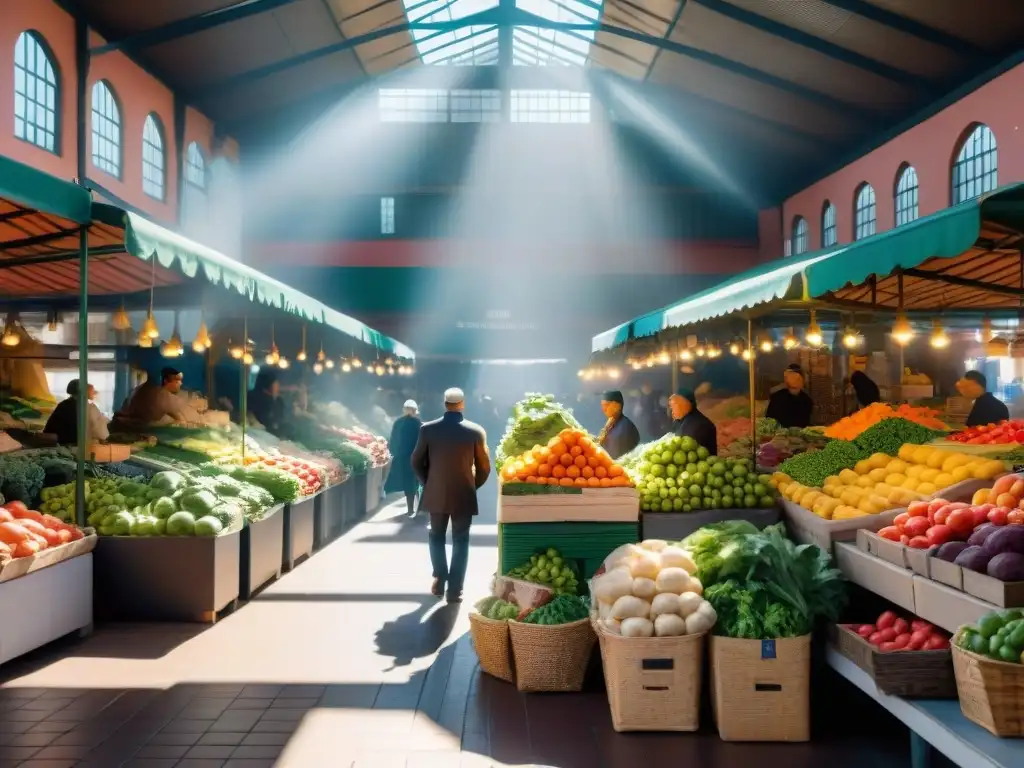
(799, 236)
(906, 196)
(106, 130)
(36, 93)
(975, 169)
(153, 162)
(550, 106)
(387, 215)
(864, 212)
(194, 202)
(475, 106)
(412, 105)
(829, 237)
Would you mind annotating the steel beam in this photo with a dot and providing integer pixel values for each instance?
(817, 44)
(668, 33)
(191, 25)
(908, 26)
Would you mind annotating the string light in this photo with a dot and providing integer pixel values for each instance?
(814, 336)
(939, 339)
(902, 331)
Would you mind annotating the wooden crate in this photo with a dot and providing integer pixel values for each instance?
(601, 505)
(910, 674)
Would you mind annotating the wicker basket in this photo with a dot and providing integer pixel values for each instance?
(991, 692)
(491, 642)
(551, 659)
(653, 682)
(762, 688)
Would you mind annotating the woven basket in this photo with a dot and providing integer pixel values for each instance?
(653, 682)
(762, 688)
(991, 692)
(491, 641)
(551, 659)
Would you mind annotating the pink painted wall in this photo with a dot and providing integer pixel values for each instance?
(931, 146)
(769, 233)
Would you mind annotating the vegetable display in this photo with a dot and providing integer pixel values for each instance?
(649, 590)
(1005, 432)
(21, 478)
(889, 435)
(494, 608)
(891, 632)
(551, 569)
(570, 459)
(563, 609)
(310, 476)
(283, 486)
(998, 635)
(535, 420)
(677, 475)
(25, 532)
(851, 427)
(812, 468)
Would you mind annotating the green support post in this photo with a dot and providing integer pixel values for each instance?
(83, 372)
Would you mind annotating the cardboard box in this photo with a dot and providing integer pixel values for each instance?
(1005, 594)
(807, 528)
(949, 574)
(892, 582)
(910, 674)
(945, 607)
(916, 560)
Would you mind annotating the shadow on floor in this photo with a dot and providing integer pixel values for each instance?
(417, 634)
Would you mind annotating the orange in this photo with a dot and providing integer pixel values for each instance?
(600, 472)
(581, 461)
(508, 472)
(566, 460)
(593, 482)
(593, 461)
(576, 451)
(587, 472)
(532, 466)
(544, 470)
(606, 482)
(572, 471)
(542, 481)
(606, 461)
(531, 479)
(620, 481)
(615, 471)
(543, 454)
(558, 471)
(567, 482)
(581, 482)
(569, 437)
(556, 446)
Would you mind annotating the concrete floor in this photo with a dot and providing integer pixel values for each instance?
(345, 662)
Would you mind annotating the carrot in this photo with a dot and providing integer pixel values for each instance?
(29, 514)
(52, 539)
(63, 536)
(32, 525)
(13, 533)
(27, 549)
(5, 515)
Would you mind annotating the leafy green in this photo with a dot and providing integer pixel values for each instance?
(21, 478)
(812, 468)
(535, 420)
(715, 545)
(889, 435)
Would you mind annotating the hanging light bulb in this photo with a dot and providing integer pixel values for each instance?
(282, 363)
(902, 331)
(851, 337)
(700, 351)
(355, 362)
(144, 341)
(274, 355)
(346, 367)
(11, 337)
(612, 373)
(713, 351)
(664, 358)
(735, 347)
(748, 355)
(301, 356)
(380, 369)
(329, 364)
(247, 358)
(580, 373)
(150, 328)
(766, 342)
(939, 339)
(686, 356)
(202, 341)
(790, 341)
(53, 320)
(391, 370)
(814, 337)
(318, 368)
(120, 321)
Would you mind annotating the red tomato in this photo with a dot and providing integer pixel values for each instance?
(890, 533)
(998, 516)
(915, 645)
(904, 540)
(901, 626)
(1018, 436)
(939, 534)
(919, 542)
(961, 521)
(901, 640)
(920, 636)
(917, 624)
(900, 520)
(875, 638)
(886, 647)
(916, 526)
(1015, 517)
(917, 509)
(886, 620)
(936, 643)
(864, 630)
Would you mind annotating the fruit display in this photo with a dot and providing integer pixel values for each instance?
(25, 532)
(550, 569)
(496, 609)
(1003, 433)
(311, 477)
(998, 635)
(935, 523)
(535, 420)
(649, 590)
(850, 427)
(374, 445)
(733, 437)
(563, 609)
(812, 469)
(891, 632)
(570, 459)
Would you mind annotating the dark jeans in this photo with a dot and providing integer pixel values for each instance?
(410, 502)
(456, 574)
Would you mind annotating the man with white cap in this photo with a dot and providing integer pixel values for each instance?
(404, 434)
(452, 463)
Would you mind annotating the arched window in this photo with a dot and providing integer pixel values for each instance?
(976, 166)
(799, 236)
(36, 92)
(864, 212)
(154, 164)
(906, 196)
(194, 211)
(195, 168)
(106, 130)
(829, 236)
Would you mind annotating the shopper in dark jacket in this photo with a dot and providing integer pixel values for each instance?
(451, 461)
(620, 435)
(864, 389)
(404, 434)
(688, 421)
(791, 406)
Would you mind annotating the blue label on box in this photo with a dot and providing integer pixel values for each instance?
(767, 649)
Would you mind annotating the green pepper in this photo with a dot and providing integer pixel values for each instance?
(979, 644)
(1006, 653)
(990, 623)
(1016, 637)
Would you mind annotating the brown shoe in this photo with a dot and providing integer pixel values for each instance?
(437, 588)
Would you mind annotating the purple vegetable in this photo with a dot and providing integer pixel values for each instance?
(950, 550)
(1008, 538)
(981, 533)
(973, 559)
(1006, 566)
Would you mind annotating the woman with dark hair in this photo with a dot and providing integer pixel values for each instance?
(864, 389)
(264, 401)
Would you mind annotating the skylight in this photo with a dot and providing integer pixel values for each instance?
(478, 45)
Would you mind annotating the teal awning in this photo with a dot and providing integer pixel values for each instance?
(24, 187)
(966, 256)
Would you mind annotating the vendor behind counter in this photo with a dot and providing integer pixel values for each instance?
(791, 406)
(987, 409)
(158, 402)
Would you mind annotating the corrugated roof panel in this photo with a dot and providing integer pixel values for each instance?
(968, 21)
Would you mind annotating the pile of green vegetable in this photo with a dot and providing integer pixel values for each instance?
(535, 420)
(21, 478)
(550, 569)
(889, 435)
(499, 610)
(998, 635)
(811, 469)
(563, 609)
(761, 584)
(283, 486)
(355, 457)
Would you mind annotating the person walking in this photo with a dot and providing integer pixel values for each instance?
(404, 434)
(452, 463)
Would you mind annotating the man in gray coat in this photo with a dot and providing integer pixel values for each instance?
(451, 461)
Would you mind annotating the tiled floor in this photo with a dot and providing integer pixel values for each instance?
(345, 662)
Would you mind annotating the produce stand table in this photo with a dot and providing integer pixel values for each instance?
(261, 548)
(673, 526)
(937, 724)
(375, 477)
(68, 590)
(360, 495)
(167, 578)
(329, 514)
(299, 529)
(587, 543)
